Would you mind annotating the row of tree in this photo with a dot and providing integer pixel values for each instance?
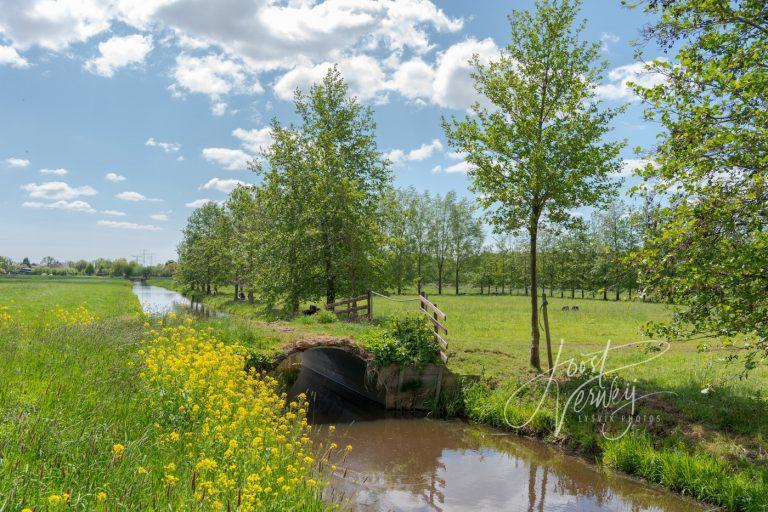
(119, 267)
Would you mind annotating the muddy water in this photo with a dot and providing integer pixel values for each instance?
(423, 464)
(418, 464)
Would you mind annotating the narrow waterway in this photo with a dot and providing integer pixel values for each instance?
(156, 300)
(419, 464)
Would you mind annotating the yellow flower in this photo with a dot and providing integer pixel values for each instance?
(26, 510)
(54, 499)
(101, 496)
(141, 470)
(118, 450)
(349, 447)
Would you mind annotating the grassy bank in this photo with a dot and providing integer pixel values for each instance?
(711, 445)
(101, 409)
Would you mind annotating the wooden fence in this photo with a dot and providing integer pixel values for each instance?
(350, 310)
(435, 315)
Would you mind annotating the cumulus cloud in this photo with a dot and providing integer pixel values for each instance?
(255, 140)
(75, 206)
(9, 56)
(163, 216)
(16, 162)
(213, 75)
(114, 177)
(618, 88)
(53, 25)
(168, 147)
(363, 74)
(127, 225)
(198, 203)
(57, 172)
(230, 159)
(57, 190)
(222, 185)
(134, 197)
(607, 38)
(119, 52)
(398, 156)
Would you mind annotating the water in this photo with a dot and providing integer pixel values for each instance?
(422, 465)
(419, 464)
(156, 300)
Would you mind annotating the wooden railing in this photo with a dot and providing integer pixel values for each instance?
(351, 311)
(435, 315)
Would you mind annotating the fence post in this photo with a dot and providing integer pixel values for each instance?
(370, 305)
(544, 304)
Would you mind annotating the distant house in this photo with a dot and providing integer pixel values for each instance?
(24, 269)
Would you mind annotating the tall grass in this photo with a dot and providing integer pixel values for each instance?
(82, 429)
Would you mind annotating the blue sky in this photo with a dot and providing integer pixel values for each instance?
(118, 117)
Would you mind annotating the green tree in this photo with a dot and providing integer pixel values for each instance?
(465, 235)
(324, 179)
(706, 248)
(539, 152)
(440, 209)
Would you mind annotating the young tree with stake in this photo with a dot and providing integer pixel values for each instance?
(537, 146)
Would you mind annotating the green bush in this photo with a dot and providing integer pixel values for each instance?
(404, 340)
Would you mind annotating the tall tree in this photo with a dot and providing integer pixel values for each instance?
(440, 209)
(418, 222)
(706, 248)
(539, 151)
(325, 178)
(465, 235)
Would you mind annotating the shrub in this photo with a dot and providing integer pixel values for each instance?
(406, 340)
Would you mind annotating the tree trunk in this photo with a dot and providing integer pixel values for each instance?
(418, 275)
(440, 278)
(236, 288)
(457, 278)
(250, 297)
(618, 293)
(605, 293)
(573, 293)
(535, 360)
(330, 290)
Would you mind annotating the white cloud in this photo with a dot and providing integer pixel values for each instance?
(114, 177)
(230, 159)
(134, 196)
(255, 140)
(114, 213)
(127, 225)
(619, 78)
(76, 206)
(453, 86)
(362, 73)
(213, 75)
(57, 190)
(159, 216)
(461, 167)
(198, 203)
(447, 82)
(398, 156)
(219, 108)
(436, 169)
(223, 185)
(9, 56)
(118, 52)
(607, 38)
(168, 147)
(57, 172)
(16, 162)
(456, 155)
(53, 24)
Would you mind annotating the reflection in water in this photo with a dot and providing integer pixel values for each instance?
(160, 301)
(422, 464)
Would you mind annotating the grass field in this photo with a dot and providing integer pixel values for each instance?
(102, 409)
(82, 428)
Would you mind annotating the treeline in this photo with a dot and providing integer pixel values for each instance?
(326, 222)
(119, 267)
